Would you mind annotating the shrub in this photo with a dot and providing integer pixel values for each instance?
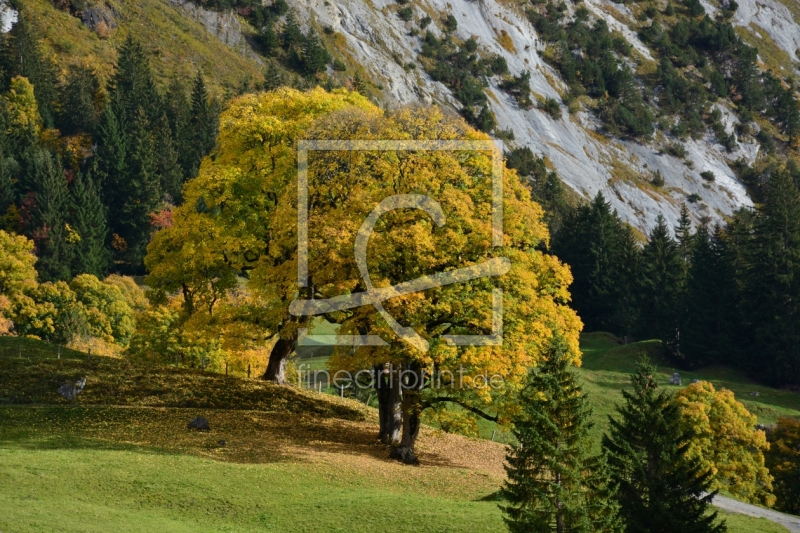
(658, 179)
(693, 198)
(707, 175)
(339, 66)
(551, 107)
(450, 23)
(406, 14)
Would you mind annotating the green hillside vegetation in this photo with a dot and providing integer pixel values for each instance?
(292, 460)
(180, 46)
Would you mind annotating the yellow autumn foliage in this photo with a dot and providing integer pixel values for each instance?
(727, 442)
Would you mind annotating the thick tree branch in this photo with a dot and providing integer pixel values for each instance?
(474, 410)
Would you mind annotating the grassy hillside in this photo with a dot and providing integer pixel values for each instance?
(179, 46)
(120, 457)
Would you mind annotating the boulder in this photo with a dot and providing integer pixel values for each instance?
(70, 390)
(695, 381)
(675, 379)
(199, 423)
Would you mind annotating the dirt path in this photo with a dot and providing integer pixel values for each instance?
(792, 523)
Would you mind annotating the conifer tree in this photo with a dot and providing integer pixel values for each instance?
(167, 167)
(710, 302)
(132, 86)
(78, 113)
(659, 488)
(292, 37)
(660, 280)
(111, 158)
(550, 485)
(7, 195)
(24, 58)
(773, 284)
(603, 255)
(315, 56)
(178, 109)
(203, 123)
(48, 224)
(139, 196)
(273, 78)
(88, 219)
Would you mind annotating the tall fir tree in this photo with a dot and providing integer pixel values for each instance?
(48, 223)
(273, 78)
(773, 284)
(660, 488)
(88, 219)
(660, 286)
(550, 484)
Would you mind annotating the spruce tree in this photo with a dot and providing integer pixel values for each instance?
(604, 257)
(315, 56)
(88, 219)
(773, 284)
(203, 123)
(178, 109)
(660, 282)
(132, 87)
(48, 224)
(292, 37)
(7, 196)
(24, 58)
(550, 485)
(273, 78)
(659, 488)
(78, 113)
(167, 167)
(139, 196)
(710, 302)
(111, 160)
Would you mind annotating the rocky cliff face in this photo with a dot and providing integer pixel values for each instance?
(588, 161)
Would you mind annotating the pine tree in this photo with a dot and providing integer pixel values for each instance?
(78, 112)
(88, 219)
(773, 284)
(550, 486)
(48, 224)
(660, 285)
(659, 488)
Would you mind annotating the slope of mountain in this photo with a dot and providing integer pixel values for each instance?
(372, 37)
(180, 39)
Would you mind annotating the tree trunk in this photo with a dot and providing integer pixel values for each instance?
(411, 416)
(387, 387)
(276, 368)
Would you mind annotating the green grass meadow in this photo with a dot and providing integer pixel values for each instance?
(96, 467)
